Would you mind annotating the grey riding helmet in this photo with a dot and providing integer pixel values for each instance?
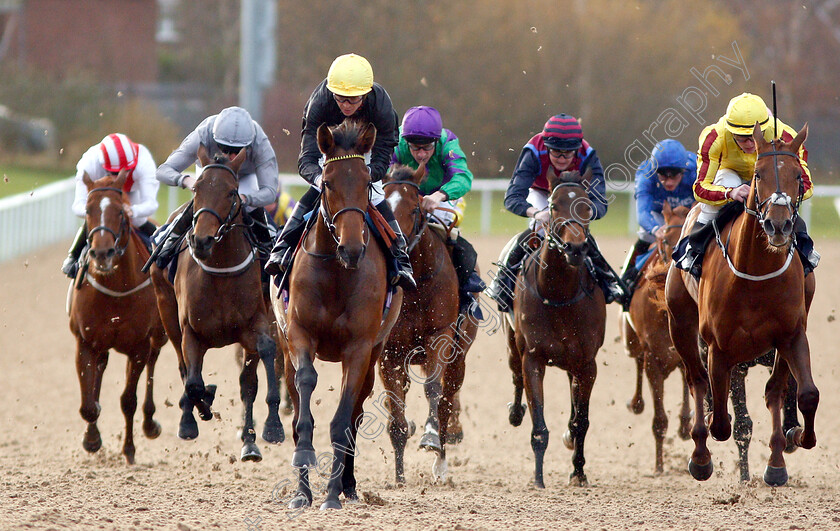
(234, 127)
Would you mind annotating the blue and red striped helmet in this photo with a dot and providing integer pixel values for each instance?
(563, 132)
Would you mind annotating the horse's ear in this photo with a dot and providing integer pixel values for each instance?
(203, 156)
(326, 143)
(120, 179)
(800, 138)
(237, 161)
(587, 175)
(419, 173)
(88, 181)
(666, 209)
(366, 138)
(758, 136)
(553, 180)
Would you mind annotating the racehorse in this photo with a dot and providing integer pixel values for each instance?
(336, 309)
(559, 319)
(114, 308)
(216, 299)
(749, 299)
(428, 332)
(644, 331)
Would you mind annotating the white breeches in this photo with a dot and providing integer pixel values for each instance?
(723, 177)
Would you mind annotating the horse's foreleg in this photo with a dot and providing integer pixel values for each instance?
(348, 478)
(685, 409)
(151, 427)
(775, 474)
(743, 423)
(200, 396)
(579, 424)
(516, 410)
(303, 379)
(682, 324)
(633, 347)
(356, 371)
(395, 381)
(128, 401)
(790, 416)
(273, 428)
(437, 354)
(533, 372)
(90, 366)
(453, 378)
(656, 380)
(807, 395)
(248, 393)
(720, 375)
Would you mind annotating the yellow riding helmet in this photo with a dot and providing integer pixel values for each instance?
(744, 111)
(350, 75)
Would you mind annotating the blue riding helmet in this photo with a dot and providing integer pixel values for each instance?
(670, 154)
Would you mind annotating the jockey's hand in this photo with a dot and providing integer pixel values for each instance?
(432, 201)
(544, 217)
(740, 193)
(188, 182)
(128, 211)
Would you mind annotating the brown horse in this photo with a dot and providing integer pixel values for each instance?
(336, 309)
(428, 332)
(559, 319)
(217, 300)
(114, 308)
(750, 299)
(644, 331)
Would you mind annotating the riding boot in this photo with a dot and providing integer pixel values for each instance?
(689, 252)
(464, 258)
(629, 272)
(146, 231)
(287, 240)
(501, 288)
(71, 264)
(405, 275)
(262, 231)
(805, 246)
(612, 286)
(167, 249)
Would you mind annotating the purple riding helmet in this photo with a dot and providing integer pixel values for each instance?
(421, 125)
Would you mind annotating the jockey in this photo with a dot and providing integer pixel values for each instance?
(228, 132)
(280, 210)
(559, 147)
(667, 176)
(116, 152)
(348, 91)
(726, 163)
(423, 139)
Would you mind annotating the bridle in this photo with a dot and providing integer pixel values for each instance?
(663, 243)
(330, 219)
(419, 221)
(555, 242)
(226, 224)
(778, 197)
(118, 249)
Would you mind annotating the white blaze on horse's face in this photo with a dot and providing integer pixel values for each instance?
(103, 204)
(572, 195)
(394, 200)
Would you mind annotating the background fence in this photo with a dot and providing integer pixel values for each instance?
(42, 217)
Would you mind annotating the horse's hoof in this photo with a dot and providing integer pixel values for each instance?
(412, 429)
(636, 406)
(152, 429)
(250, 452)
(400, 479)
(440, 468)
(304, 459)
(273, 432)
(775, 477)
(204, 411)
(129, 457)
(568, 440)
(455, 438)
(92, 445)
(538, 483)
(792, 438)
(430, 441)
(300, 501)
(351, 498)
(188, 430)
(516, 413)
(700, 472)
(331, 504)
(578, 481)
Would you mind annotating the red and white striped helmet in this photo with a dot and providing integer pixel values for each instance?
(118, 152)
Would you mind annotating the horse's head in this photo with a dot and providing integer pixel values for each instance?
(109, 227)
(402, 191)
(777, 186)
(216, 194)
(571, 210)
(346, 184)
(674, 221)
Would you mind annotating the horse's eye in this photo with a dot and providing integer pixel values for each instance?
(757, 176)
(327, 185)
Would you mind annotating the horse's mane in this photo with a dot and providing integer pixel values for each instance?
(346, 134)
(402, 172)
(220, 158)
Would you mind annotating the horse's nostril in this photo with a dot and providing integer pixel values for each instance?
(787, 227)
(768, 227)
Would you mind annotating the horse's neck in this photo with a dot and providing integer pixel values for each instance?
(554, 276)
(322, 240)
(748, 247)
(428, 253)
(232, 248)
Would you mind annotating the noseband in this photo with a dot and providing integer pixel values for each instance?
(119, 249)
(778, 197)
(226, 224)
(555, 242)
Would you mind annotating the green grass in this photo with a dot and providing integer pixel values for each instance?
(18, 179)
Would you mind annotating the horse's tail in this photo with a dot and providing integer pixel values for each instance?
(656, 276)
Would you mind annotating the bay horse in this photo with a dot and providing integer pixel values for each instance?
(559, 319)
(114, 308)
(646, 338)
(216, 300)
(336, 309)
(429, 332)
(752, 297)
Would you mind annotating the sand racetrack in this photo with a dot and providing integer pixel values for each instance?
(50, 482)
